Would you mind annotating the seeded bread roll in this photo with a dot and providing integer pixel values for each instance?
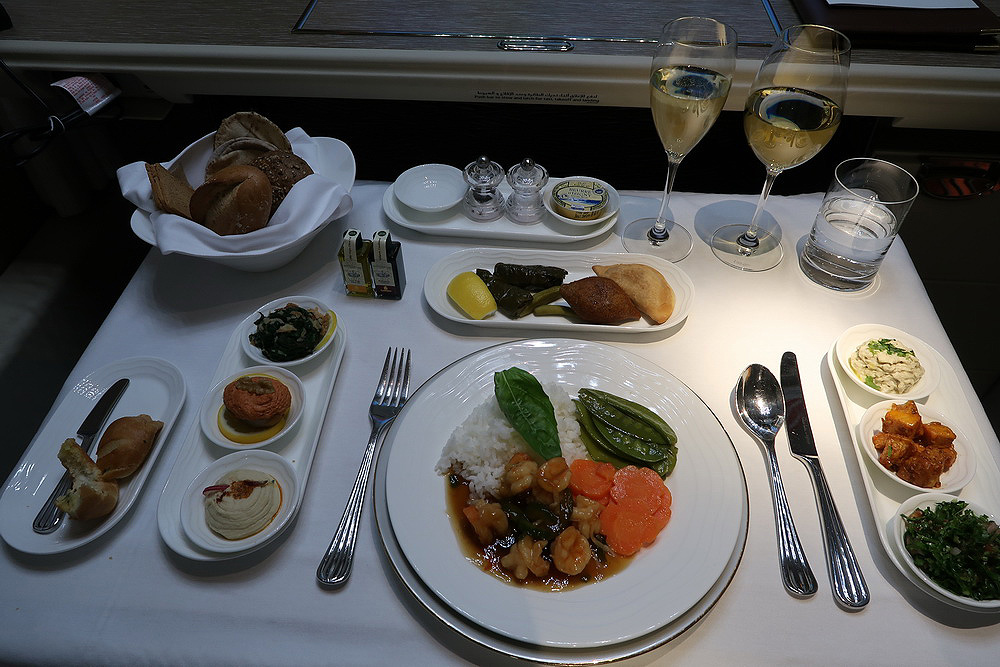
(284, 169)
(250, 124)
(125, 445)
(242, 150)
(236, 200)
(91, 496)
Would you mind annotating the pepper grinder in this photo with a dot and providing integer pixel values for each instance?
(525, 202)
(482, 201)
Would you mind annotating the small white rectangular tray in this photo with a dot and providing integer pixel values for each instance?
(318, 377)
(884, 495)
(454, 223)
(578, 264)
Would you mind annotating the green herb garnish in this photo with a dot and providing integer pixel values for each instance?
(886, 345)
(870, 381)
(957, 548)
(524, 402)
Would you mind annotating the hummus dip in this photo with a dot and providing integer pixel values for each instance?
(242, 503)
(887, 365)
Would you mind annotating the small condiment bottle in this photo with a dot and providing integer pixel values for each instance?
(482, 201)
(354, 261)
(525, 203)
(387, 266)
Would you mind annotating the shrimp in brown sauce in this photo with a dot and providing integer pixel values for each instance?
(570, 551)
(526, 556)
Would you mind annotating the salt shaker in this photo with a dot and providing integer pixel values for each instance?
(482, 201)
(525, 202)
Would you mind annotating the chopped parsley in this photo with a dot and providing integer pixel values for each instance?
(957, 548)
(887, 345)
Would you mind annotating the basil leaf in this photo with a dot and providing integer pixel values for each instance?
(523, 401)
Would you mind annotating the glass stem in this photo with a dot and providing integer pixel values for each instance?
(659, 229)
(748, 239)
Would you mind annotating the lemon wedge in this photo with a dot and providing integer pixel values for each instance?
(471, 295)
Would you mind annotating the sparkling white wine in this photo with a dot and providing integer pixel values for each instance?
(685, 101)
(787, 126)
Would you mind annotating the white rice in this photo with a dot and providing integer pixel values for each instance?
(481, 446)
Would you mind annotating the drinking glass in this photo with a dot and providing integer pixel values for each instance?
(793, 111)
(690, 77)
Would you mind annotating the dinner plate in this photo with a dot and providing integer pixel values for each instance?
(453, 222)
(696, 547)
(958, 475)
(525, 651)
(849, 341)
(578, 264)
(156, 388)
(299, 448)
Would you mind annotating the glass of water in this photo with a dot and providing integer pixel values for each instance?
(860, 217)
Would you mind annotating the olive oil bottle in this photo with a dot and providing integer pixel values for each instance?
(387, 267)
(355, 263)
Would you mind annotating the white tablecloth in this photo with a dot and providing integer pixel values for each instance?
(128, 599)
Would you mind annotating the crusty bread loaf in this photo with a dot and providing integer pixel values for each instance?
(125, 445)
(171, 193)
(250, 124)
(236, 200)
(91, 497)
(284, 169)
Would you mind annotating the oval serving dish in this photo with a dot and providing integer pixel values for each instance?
(849, 341)
(925, 501)
(193, 505)
(952, 481)
(249, 326)
(213, 406)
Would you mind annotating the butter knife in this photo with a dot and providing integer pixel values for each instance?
(849, 587)
(50, 516)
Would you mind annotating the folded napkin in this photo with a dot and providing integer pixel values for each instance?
(310, 204)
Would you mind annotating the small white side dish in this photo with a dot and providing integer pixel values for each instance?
(849, 341)
(953, 481)
(614, 201)
(430, 187)
(925, 501)
(193, 505)
(249, 326)
(209, 417)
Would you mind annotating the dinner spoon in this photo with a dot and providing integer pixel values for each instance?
(761, 406)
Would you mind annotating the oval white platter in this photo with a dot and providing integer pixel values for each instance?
(696, 547)
(156, 388)
(453, 222)
(578, 264)
(318, 377)
(884, 494)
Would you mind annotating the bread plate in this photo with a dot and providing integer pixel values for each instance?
(336, 162)
(156, 388)
(578, 264)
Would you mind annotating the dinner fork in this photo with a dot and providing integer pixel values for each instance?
(389, 398)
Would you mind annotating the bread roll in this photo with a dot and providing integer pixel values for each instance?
(284, 169)
(646, 286)
(125, 445)
(91, 496)
(171, 193)
(250, 124)
(236, 200)
(242, 150)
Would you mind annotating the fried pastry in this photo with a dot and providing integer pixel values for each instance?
(646, 286)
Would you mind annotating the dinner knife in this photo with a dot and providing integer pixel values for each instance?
(849, 587)
(50, 516)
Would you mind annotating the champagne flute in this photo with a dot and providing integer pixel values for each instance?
(690, 77)
(792, 113)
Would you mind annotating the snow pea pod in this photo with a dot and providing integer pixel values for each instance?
(606, 412)
(640, 412)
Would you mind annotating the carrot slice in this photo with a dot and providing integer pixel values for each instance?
(638, 511)
(592, 479)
